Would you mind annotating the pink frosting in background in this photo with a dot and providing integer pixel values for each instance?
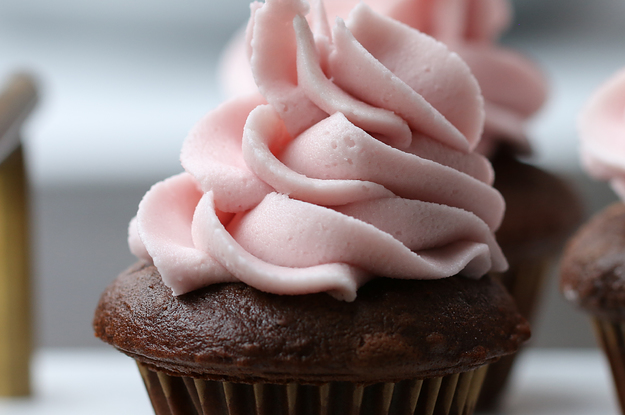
(513, 87)
(602, 133)
(356, 159)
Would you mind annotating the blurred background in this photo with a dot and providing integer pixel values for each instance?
(122, 83)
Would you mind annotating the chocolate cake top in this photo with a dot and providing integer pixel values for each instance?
(395, 329)
(593, 265)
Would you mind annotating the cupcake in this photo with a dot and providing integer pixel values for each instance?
(542, 209)
(327, 248)
(592, 266)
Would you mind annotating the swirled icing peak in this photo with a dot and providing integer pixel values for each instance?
(602, 133)
(513, 87)
(355, 160)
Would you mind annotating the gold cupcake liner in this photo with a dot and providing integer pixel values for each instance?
(449, 395)
(524, 281)
(611, 337)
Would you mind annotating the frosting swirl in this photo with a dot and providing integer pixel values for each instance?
(602, 133)
(354, 160)
(513, 87)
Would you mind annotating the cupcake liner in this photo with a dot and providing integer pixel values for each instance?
(611, 337)
(449, 395)
(524, 281)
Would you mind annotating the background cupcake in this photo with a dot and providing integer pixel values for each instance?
(593, 264)
(513, 87)
(309, 189)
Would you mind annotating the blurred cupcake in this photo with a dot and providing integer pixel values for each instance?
(593, 266)
(541, 208)
(513, 87)
(326, 249)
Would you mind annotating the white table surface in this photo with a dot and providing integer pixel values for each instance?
(68, 382)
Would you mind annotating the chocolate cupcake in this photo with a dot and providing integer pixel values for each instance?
(592, 267)
(402, 347)
(329, 240)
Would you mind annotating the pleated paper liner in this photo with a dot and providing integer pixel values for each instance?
(524, 281)
(449, 395)
(611, 337)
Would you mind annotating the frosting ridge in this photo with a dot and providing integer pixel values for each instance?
(315, 185)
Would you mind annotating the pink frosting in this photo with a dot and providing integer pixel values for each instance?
(354, 160)
(602, 133)
(513, 88)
